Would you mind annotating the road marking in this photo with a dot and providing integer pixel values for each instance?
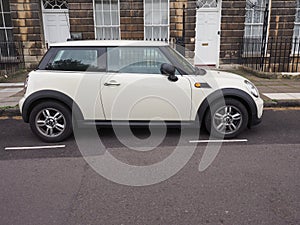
(218, 141)
(35, 147)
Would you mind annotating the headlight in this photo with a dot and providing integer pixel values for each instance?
(251, 87)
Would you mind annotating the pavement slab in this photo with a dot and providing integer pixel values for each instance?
(11, 85)
(283, 96)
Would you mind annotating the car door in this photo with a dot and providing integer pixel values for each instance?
(134, 88)
(76, 72)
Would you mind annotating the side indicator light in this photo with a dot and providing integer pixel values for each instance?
(198, 85)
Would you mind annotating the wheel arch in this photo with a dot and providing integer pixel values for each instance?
(237, 94)
(49, 95)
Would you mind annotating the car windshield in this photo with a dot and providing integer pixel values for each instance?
(184, 64)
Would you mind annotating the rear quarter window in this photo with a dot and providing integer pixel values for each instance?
(76, 59)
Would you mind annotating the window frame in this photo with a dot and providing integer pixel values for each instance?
(106, 26)
(64, 5)
(253, 24)
(211, 5)
(156, 25)
(7, 38)
(52, 52)
(255, 41)
(296, 35)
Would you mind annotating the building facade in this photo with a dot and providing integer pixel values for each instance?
(212, 31)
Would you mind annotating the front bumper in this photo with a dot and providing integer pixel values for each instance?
(21, 102)
(257, 116)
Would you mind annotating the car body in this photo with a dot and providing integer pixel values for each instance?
(100, 82)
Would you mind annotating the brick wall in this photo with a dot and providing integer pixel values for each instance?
(132, 19)
(81, 18)
(282, 18)
(232, 30)
(27, 21)
(176, 23)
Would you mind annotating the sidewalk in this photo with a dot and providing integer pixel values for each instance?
(275, 92)
(10, 94)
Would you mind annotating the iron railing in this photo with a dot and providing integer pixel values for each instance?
(280, 54)
(11, 56)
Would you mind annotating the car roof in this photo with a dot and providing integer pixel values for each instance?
(107, 43)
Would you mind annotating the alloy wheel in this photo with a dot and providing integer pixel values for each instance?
(50, 122)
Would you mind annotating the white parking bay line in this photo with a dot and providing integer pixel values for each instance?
(218, 141)
(34, 147)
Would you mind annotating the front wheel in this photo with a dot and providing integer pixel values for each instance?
(227, 118)
(51, 121)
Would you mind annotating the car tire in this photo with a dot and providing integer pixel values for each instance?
(51, 121)
(230, 118)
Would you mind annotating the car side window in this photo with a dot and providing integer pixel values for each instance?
(78, 59)
(144, 60)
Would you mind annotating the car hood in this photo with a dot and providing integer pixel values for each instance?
(223, 75)
(220, 79)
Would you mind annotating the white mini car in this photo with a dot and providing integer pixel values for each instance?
(104, 82)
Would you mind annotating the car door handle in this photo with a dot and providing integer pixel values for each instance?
(111, 84)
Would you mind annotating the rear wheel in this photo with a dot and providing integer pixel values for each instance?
(51, 121)
(226, 118)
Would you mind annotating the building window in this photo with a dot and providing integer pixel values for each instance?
(55, 4)
(297, 29)
(255, 18)
(156, 20)
(7, 47)
(207, 4)
(6, 34)
(107, 19)
(254, 25)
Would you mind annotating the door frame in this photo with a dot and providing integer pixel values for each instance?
(219, 10)
(49, 11)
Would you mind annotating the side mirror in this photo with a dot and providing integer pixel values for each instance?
(169, 70)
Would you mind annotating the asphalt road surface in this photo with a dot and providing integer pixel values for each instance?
(256, 181)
